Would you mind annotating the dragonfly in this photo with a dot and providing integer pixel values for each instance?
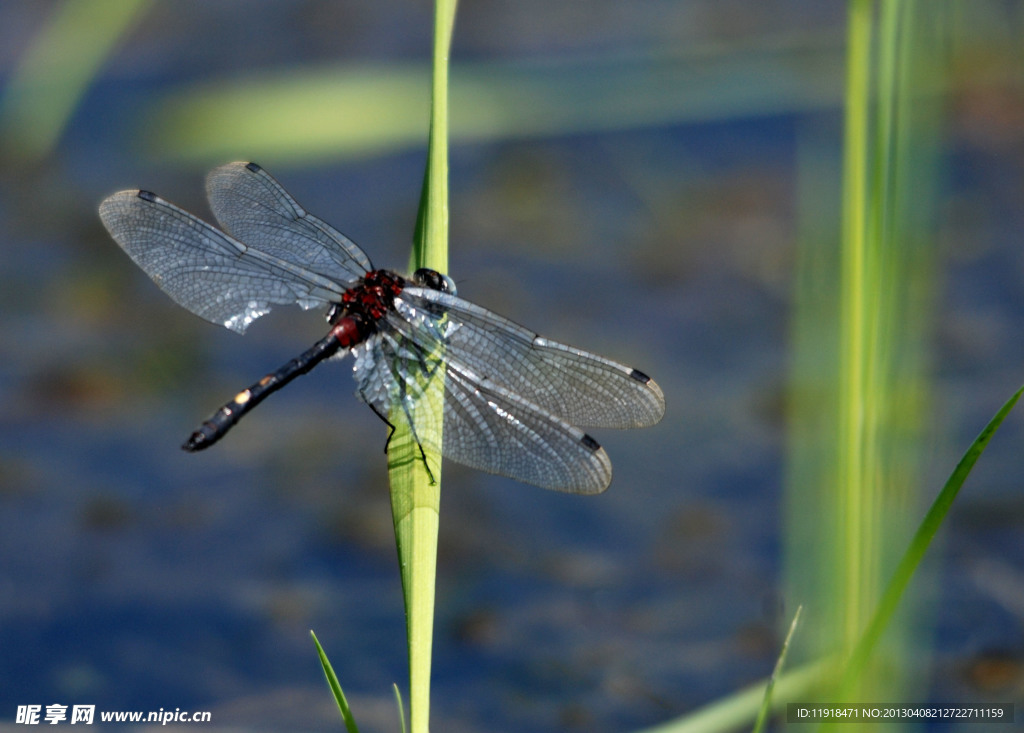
(514, 403)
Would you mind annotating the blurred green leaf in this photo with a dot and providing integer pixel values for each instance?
(741, 707)
(56, 70)
(911, 560)
(358, 110)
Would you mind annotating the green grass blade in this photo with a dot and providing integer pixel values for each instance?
(918, 546)
(332, 680)
(415, 491)
(856, 303)
(401, 707)
(733, 711)
(766, 704)
(430, 241)
(740, 708)
(862, 327)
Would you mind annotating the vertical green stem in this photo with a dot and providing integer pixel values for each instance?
(415, 492)
(862, 325)
(431, 239)
(850, 466)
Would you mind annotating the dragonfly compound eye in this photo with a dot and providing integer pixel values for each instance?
(427, 278)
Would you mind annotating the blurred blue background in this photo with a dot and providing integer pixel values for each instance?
(637, 198)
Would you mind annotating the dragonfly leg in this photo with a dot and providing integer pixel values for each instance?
(391, 426)
(391, 434)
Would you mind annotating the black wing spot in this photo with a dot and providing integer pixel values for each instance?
(253, 167)
(590, 443)
(639, 376)
(148, 196)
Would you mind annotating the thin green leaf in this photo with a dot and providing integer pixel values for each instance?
(919, 545)
(332, 680)
(739, 708)
(401, 707)
(766, 704)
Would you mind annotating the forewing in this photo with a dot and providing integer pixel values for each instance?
(203, 269)
(253, 207)
(581, 388)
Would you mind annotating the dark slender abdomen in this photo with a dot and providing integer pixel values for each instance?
(347, 332)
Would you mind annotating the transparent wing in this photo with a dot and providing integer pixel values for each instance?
(485, 426)
(253, 207)
(578, 387)
(203, 269)
(491, 429)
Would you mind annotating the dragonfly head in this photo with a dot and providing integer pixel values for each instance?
(427, 278)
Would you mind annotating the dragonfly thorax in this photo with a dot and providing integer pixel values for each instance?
(374, 295)
(371, 299)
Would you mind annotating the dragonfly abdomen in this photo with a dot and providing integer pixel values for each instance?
(347, 332)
